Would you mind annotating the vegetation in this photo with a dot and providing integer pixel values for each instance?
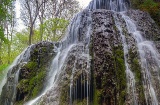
(121, 75)
(136, 68)
(150, 6)
(2, 67)
(45, 22)
(6, 20)
(33, 74)
(42, 21)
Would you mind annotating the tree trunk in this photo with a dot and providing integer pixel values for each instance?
(30, 35)
(8, 45)
(41, 17)
(9, 53)
(41, 30)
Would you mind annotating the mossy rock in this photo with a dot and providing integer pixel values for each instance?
(33, 73)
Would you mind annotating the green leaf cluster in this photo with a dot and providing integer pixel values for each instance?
(150, 6)
(54, 28)
(4, 15)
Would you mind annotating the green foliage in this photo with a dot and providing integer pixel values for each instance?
(54, 28)
(33, 74)
(136, 68)
(37, 36)
(19, 43)
(121, 84)
(33, 84)
(4, 15)
(6, 19)
(3, 10)
(150, 6)
(97, 97)
(31, 65)
(153, 8)
(80, 102)
(2, 37)
(2, 67)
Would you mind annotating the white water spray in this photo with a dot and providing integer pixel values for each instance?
(145, 48)
(129, 74)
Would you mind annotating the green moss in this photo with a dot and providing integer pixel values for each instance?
(19, 103)
(33, 85)
(135, 67)
(31, 65)
(80, 102)
(97, 97)
(64, 96)
(150, 6)
(35, 79)
(23, 84)
(121, 84)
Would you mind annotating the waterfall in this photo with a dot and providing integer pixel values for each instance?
(23, 57)
(69, 76)
(115, 5)
(147, 53)
(18, 62)
(74, 40)
(149, 58)
(129, 74)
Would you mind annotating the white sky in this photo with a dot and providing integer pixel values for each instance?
(84, 3)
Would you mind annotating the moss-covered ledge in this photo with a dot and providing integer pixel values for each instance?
(33, 74)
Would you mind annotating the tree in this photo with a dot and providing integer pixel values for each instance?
(54, 28)
(29, 13)
(34, 12)
(41, 18)
(62, 9)
(9, 26)
(5, 17)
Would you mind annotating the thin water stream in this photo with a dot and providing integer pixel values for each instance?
(146, 49)
(129, 74)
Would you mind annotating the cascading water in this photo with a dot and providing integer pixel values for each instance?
(129, 73)
(11, 85)
(70, 79)
(147, 53)
(74, 38)
(115, 5)
(66, 46)
(149, 58)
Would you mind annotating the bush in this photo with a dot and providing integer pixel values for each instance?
(153, 8)
(150, 6)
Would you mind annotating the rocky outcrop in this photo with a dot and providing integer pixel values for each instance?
(27, 77)
(108, 60)
(145, 24)
(150, 31)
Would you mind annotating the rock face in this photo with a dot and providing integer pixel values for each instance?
(145, 24)
(108, 61)
(25, 79)
(90, 65)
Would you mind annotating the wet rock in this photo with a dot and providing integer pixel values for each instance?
(106, 41)
(145, 24)
(32, 62)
